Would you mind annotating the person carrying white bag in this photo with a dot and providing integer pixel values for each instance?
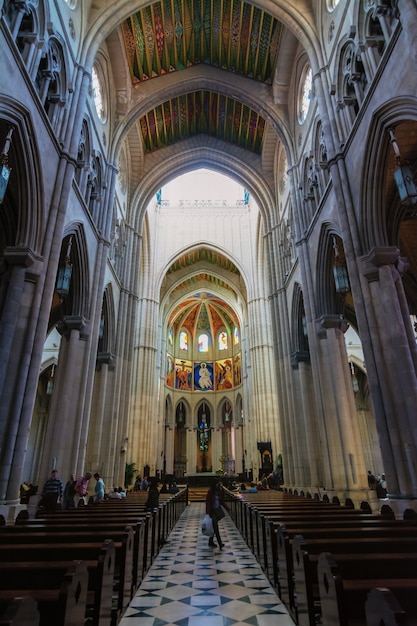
(214, 508)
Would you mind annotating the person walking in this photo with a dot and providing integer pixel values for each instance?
(152, 501)
(68, 497)
(51, 493)
(99, 489)
(214, 507)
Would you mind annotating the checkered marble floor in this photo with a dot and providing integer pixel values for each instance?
(191, 584)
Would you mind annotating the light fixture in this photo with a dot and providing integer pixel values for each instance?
(4, 167)
(341, 279)
(64, 274)
(50, 385)
(355, 383)
(403, 176)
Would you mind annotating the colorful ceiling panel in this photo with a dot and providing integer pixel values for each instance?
(202, 112)
(201, 313)
(203, 254)
(171, 35)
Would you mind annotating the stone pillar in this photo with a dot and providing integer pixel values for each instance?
(18, 318)
(191, 451)
(102, 443)
(347, 475)
(66, 434)
(395, 386)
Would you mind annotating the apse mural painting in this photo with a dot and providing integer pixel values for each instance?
(183, 375)
(203, 376)
(224, 374)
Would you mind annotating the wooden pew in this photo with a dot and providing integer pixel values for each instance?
(344, 586)
(37, 576)
(20, 612)
(382, 607)
(48, 552)
(305, 553)
(63, 604)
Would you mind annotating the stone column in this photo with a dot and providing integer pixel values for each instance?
(66, 433)
(102, 444)
(347, 474)
(396, 368)
(18, 318)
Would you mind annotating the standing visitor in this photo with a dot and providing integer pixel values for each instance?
(214, 508)
(51, 492)
(81, 489)
(69, 491)
(99, 489)
(153, 495)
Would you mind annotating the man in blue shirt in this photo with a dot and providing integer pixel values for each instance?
(52, 492)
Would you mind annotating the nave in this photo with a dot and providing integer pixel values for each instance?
(191, 584)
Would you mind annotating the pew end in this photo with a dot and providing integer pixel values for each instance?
(21, 612)
(382, 607)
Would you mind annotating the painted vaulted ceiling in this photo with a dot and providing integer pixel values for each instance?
(170, 35)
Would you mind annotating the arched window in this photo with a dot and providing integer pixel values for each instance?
(171, 337)
(236, 336)
(203, 343)
(98, 93)
(222, 340)
(183, 340)
(305, 93)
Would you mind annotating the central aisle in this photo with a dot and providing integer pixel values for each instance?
(191, 584)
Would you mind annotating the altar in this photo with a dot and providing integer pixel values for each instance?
(201, 479)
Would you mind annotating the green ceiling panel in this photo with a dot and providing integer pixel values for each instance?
(170, 35)
(202, 112)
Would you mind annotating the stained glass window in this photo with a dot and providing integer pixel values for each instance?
(171, 337)
(203, 343)
(183, 340)
(305, 94)
(235, 336)
(97, 94)
(222, 341)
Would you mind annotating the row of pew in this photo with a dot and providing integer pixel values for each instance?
(82, 566)
(332, 564)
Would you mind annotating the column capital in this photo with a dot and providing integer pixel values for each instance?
(106, 358)
(72, 322)
(332, 320)
(20, 255)
(376, 258)
(300, 356)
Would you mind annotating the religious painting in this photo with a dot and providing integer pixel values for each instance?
(237, 370)
(183, 374)
(224, 374)
(203, 376)
(169, 374)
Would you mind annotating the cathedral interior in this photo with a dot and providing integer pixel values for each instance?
(263, 322)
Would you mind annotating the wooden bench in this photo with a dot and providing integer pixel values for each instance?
(305, 600)
(382, 608)
(34, 577)
(63, 604)
(20, 612)
(344, 586)
(87, 550)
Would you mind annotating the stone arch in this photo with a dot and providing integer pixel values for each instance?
(328, 300)
(76, 302)
(299, 336)
(21, 216)
(381, 197)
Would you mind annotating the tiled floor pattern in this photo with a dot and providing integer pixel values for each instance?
(191, 584)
